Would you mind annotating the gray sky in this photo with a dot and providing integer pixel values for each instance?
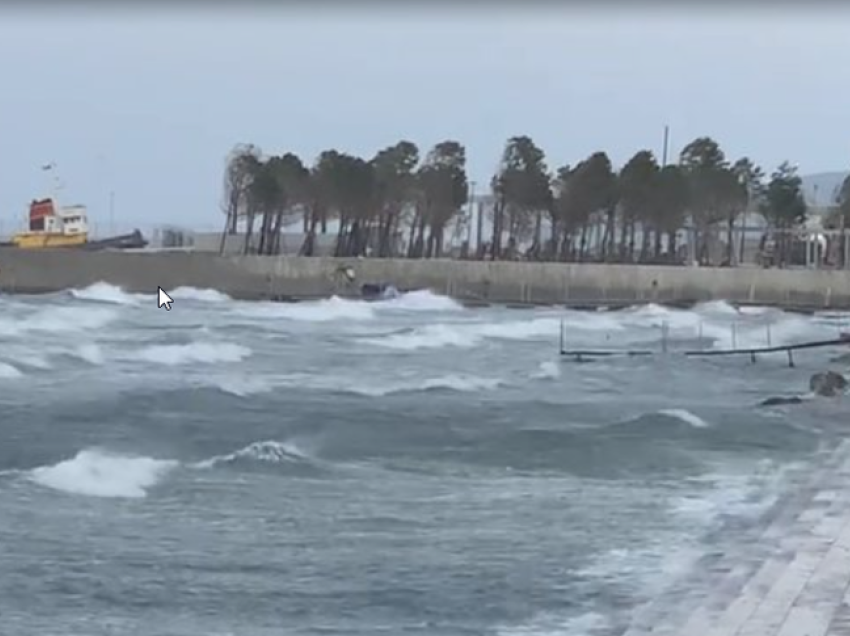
(149, 104)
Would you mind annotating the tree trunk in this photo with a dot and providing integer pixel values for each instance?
(274, 248)
(730, 240)
(622, 250)
(249, 230)
(224, 233)
(308, 248)
(339, 248)
(498, 219)
(582, 245)
(419, 246)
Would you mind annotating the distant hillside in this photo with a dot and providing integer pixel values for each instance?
(821, 188)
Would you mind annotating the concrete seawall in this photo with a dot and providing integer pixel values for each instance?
(255, 277)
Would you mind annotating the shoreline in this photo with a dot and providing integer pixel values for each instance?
(577, 305)
(472, 283)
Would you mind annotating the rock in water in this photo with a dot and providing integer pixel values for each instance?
(827, 384)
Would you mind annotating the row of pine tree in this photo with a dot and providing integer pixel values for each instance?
(399, 203)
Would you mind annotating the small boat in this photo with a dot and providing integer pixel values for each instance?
(51, 225)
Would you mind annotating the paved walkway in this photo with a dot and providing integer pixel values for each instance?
(792, 579)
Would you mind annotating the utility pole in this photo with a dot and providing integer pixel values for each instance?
(664, 147)
(469, 214)
(112, 213)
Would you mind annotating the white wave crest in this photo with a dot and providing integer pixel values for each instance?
(245, 386)
(106, 293)
(26, 357)
(726, 325)
(717, 307)
(466, 335)
(8, 371)
(745, 494)
(58, 320)
(265, 451)
(241, 386)
(422, 300)
(685, 416)
(326, 310)
(585, 624)
(96, 473)
(428, 337)
(204, 352)
(460, 383)
(90, 353)
(547, 370)
(199, 294)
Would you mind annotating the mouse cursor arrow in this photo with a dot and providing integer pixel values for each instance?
(163, 299)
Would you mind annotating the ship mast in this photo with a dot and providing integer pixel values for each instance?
(57, 184)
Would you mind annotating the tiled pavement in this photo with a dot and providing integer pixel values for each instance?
(790, 579)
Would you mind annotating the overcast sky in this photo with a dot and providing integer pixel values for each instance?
(148, 104)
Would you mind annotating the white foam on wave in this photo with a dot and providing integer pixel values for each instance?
(421, 300)
(106, 293)
(246, 386)
(726, 325)
(683, 415)
(646, 568)
(9, 371)
(326, 310)
(97, 473)
(199, 294)
(204, 352)
(585, 624)
(467, 335)
(548, 370)
(745, 494)
(460, 383)
(26, 357)
(242, 386)
(57, 320)
(90, 352)
(266, 451)
(717, 307)
(434, 336)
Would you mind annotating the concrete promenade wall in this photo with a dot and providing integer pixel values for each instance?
(253, 277)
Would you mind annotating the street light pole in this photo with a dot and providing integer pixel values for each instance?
(112, 213)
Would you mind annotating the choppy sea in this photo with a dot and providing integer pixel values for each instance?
(234, 468)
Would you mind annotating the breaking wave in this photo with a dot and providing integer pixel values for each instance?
(199, 294)
(57, 320)
(268, 451)
(547, 370)
(725, 325)
(246, 386)
(112, 294)
(204, 352)
(685, 416)
(91, 353)
(242, 386)
(98, 473)
(467, 335)
(95, 472)
(8, 371)
(421, 300)
(330, 309)
(106, 293)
